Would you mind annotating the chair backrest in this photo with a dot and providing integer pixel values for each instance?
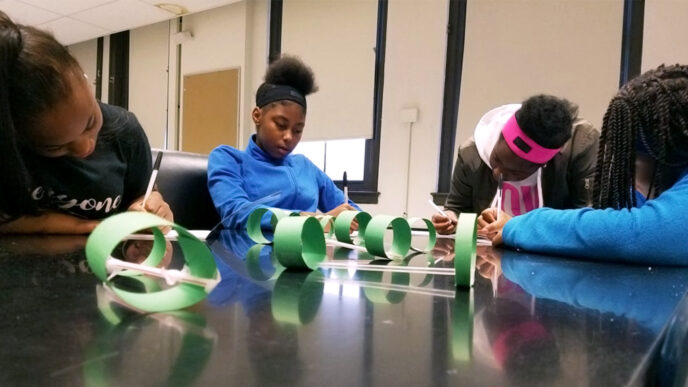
(183, 182)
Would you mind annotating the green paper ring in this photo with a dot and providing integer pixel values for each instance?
(299, 242)
(296, 296)
(326, 220)
(464, 249)
(198, 258)
(342, 226)
(432, 234)
(253, 224)
(375, 236)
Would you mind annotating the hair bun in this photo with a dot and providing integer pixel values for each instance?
(291, 71)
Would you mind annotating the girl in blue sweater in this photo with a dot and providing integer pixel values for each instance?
(641, 184)
(266, 174)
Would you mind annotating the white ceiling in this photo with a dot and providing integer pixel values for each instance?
(74, 21)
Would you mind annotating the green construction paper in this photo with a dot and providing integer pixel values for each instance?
(464, 249)
(296, 296)
(432, 234)
(462, 325)
(253, 224)
(382, 296)
(375, 236)
(198, 259)
(342, 226)
(253, 264)
(326, 220)
(299, 242)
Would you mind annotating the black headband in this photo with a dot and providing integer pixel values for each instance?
(268, 93)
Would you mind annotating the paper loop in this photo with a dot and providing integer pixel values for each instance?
(111, 231)
(464, 249)
(327, 223)
(375, 236)
(299, 242)
(342, 226)
(254, 226)
(296, 296)
(432, 234)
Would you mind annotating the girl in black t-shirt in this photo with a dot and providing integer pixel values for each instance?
(66, 160)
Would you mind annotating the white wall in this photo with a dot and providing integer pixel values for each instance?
(414, 78)
(515, 49)
(665, 33)
(257, 15)
(86, 54)
(148, 57)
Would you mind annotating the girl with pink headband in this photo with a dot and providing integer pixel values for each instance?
(522, 157)
(641, 183)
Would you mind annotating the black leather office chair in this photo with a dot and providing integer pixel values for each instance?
(183, 182)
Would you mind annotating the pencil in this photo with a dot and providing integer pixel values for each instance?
(439, 210)
(345, 183)
(499, 197)
(154, 175)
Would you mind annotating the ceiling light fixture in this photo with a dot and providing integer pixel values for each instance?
(175, 9)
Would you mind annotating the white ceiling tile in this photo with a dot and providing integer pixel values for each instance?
(89, 19)
(26, 14)
(70, 31)
(122, 15)
(66, 7)
(194, 5)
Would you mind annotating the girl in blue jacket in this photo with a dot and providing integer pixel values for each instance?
(266, 174)
(641, 184)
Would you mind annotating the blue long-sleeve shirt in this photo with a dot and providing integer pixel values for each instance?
(654, 232)
(241, 181)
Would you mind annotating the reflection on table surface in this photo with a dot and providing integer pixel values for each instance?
(529, 320)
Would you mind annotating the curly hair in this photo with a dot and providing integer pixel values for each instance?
(648, 114)
(291, 71)
(547, 120)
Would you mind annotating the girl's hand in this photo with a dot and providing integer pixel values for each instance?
(155, 205)
(444, 224)
(491, 227)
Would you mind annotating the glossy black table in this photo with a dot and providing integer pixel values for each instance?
(529, 320)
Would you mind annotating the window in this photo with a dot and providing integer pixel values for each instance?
(335, 157)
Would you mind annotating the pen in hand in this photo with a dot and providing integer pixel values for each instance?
(154, 175)
(499, 196)
(440, 210)
(345, 184)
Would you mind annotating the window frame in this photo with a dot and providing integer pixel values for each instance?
(360, 191)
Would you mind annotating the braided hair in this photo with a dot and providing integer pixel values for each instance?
(648, 114)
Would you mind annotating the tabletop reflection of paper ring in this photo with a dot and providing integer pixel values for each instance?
(299, 243)
(462, 325)
(253, 263)
(384, 296)
(342, 226)
(375, 236)
(194, 351)
(105, 238)
(296, 296)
